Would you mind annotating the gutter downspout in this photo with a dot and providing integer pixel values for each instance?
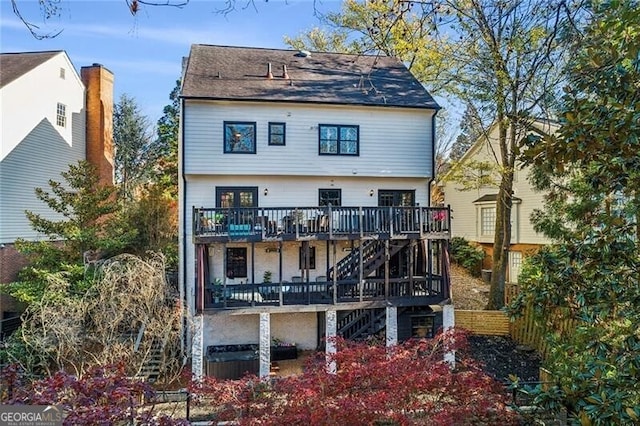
(183, 288)
(433, 155)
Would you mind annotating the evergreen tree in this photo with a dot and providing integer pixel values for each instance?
(136, 152)
(87, 228)
(167, 141)
(590, 169)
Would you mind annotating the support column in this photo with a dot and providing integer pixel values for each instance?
(265, 345)
(448, 322)
(330, 344)
(197, 347)
(392, 326)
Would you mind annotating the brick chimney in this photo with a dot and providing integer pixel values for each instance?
(99, 119)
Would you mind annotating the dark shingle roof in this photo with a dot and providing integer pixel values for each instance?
(493, 197)
(240, 73)
(14, 65)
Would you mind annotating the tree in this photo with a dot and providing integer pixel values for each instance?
(407, 384)
(129, 316)
(590, 169)
(386, 27)
(167, 141)
(154, 215)
(502, 58)
(51, 9)
(470, 131)
(136, 152)
(87, 227)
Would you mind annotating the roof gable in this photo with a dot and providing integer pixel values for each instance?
(15, 65)
(241, 73)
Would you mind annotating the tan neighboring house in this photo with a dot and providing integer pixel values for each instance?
(473, 211)
(50, 117)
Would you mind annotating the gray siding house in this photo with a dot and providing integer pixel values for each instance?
(304, 194)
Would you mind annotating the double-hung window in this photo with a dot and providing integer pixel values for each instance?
(487, 220)
(61, 115)
(337, 139)
(277, 133)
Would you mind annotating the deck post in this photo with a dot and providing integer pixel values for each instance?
(197, 348)
(448, 322)
(330, 336)
(392, 326)
(265, 345)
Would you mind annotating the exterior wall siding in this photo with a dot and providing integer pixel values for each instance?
(389, 140)
(34, 148)
(465, 215)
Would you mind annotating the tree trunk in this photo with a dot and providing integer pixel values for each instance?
(504, 203)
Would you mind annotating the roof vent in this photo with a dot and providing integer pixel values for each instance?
(303, 53)
(285, 74)
(269, 73)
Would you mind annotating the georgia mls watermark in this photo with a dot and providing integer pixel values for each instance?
(31, 415)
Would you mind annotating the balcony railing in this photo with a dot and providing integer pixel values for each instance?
(269, 223)
(428, 290)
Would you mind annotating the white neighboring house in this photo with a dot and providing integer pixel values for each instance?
(304, 197)
(45, 116)
(473, 212)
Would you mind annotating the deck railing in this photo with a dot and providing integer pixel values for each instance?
(299, 222)
(432, 289)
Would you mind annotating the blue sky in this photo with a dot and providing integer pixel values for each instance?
(144, 52)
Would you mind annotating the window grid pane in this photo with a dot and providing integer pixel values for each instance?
(330, 196)
(487, 220)
(61, 115)
(277, 133)
(339, 140)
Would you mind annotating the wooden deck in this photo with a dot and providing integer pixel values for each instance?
(401, 291)
(211, 225)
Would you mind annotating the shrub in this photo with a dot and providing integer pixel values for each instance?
(404, 385)
(104, 395)
(467, 255)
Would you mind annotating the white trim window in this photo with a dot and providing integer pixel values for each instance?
(487, 220)
(61, 115)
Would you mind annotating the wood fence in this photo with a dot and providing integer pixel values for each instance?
(488, 323)
(526, 329)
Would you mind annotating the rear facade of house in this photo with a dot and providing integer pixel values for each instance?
(305, 210)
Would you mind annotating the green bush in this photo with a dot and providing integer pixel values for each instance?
(467, 255)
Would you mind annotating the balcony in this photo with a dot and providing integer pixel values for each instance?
(319, 223)
(405, 291)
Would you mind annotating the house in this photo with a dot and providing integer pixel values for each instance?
(472, 193)
(50, 117)
(304, 193)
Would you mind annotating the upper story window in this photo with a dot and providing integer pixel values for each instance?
(239, 137)
(338, 139)
(61, 115)
(329, 196)
(277, 133)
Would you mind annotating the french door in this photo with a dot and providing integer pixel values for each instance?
(235, 197)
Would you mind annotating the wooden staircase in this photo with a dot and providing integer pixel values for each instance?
(153, 358)
(373, 257)
(361, 323)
